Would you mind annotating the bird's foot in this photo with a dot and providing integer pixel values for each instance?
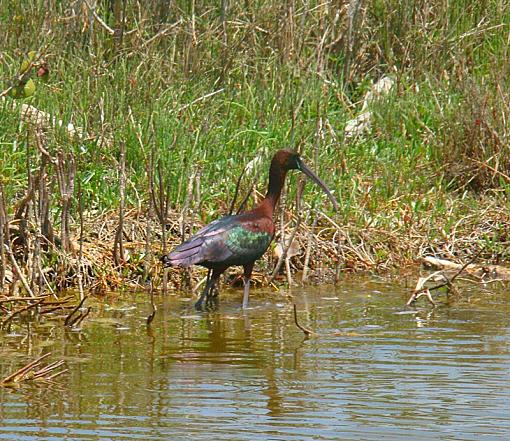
(210, 304)
(199, 304)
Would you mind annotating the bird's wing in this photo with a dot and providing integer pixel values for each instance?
(231, 240)
(206, 245)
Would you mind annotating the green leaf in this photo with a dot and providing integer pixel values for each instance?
(29, 88)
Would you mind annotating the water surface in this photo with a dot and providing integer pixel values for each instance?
(378, 371)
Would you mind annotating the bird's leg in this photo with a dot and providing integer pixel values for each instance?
(247, 275)
(215, 291)
(210, 295)
(204, 294)
(212, 279)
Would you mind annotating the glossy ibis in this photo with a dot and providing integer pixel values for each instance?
(243, 238)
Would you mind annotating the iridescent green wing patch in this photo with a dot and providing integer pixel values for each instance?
(243, 242)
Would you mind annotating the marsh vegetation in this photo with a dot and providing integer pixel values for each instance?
(126, 125)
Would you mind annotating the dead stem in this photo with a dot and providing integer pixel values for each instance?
(421, 290)
(19, 311)
(118, 244)
(70, 321)
(80, 251)
(306, 331)
(20, 299)
(208, 95)
(18, 270)
(151, 316)
(76, 323)
(44, 193)
(66, 172)
(350, 41)
(20, 372)
(236, 191)
(3, 227)
(183, 220)
(162, 210)
(246, 198)
(286, 246)
(36, 278)
(309, 245)
(492, 169)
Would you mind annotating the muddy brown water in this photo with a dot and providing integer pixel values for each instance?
(378, 372)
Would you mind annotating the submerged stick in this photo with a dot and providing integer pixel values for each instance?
(306, 331)
(19, 311)
(309, 332)
(151, 316)
(45, 370)
(70, 321)
(22, 371)
(81, 317)
(29, 372)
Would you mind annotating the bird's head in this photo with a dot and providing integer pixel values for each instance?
(288, 159)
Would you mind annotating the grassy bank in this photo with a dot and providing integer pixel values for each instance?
(174, 99)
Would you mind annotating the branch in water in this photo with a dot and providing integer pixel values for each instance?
(306, 331)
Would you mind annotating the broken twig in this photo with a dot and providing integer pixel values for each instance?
(421, 290)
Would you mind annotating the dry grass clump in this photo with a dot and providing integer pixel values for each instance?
(476, 137)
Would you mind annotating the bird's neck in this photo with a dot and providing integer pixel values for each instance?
(276, 180)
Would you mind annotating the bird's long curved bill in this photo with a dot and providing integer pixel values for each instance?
(308, 172)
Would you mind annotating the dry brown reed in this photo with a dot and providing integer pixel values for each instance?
(477, 139)
(33, 371)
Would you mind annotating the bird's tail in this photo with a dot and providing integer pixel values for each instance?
(184, 255)
(166, 261)
(169, 260)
